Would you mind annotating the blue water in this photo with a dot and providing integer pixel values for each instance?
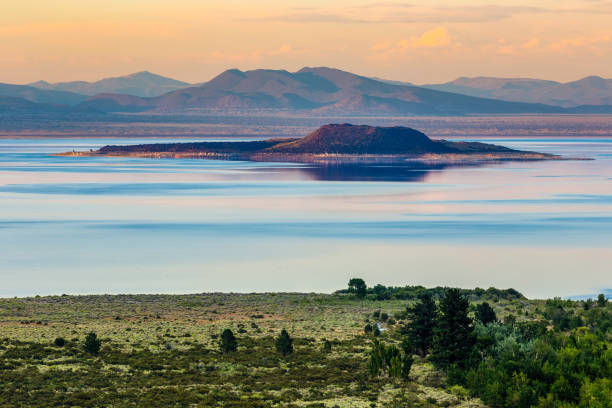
(122, 225)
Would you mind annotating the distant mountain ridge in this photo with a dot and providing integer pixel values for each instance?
(144, 84)
(322, 90)
(13, 105)
(317, 91)
(35, 95)
(592, 90)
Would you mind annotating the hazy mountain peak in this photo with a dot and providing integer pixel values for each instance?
(592, 81)
(38, 84)
(143, 83)
(591, 90)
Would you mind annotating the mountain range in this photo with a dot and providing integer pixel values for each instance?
(145, 84)
(322, 91)
(592, 90)
(318, 91)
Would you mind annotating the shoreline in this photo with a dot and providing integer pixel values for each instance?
(451, 158)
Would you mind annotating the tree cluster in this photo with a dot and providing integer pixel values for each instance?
(390, 360)
(518, 364)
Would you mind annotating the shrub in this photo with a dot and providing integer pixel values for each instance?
(60, 342)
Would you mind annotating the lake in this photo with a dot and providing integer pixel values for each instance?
(121, 225)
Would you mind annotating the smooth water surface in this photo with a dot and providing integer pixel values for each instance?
(119, 225)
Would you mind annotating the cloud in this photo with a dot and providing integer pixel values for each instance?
(434, 38)
(533, 43)
(438, 37)
(590, 42)
(307, 17)
(391, 12)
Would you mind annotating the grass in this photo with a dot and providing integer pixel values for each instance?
(162, 350)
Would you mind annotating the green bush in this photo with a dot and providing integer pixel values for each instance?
(92, 343)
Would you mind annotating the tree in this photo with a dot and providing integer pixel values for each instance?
(92, 343)
(601, 300)
(485, 313)
(422, 322)
(284, 343)
(59, 342)
(389, 360)
(228, 341)
(453, 336)
(327, 346)
(358, 287)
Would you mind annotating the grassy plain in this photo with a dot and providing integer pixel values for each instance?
(163, 350)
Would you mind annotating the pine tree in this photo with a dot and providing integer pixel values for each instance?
(601, 300)
(92, 343)
(358, 287)
(327, 346)
(228, 341)
(485, 313)
(284, 343)
(422, 322)
(453, 336)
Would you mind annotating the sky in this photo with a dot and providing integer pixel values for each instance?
(194, 40)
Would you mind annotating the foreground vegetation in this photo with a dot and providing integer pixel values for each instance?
(362, 347)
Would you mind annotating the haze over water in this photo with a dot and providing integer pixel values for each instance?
(119, 225)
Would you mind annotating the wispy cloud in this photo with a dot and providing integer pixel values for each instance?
(390, 12)
(435, 38)
(591, 43)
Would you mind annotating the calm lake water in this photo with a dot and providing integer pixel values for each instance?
(117, 225)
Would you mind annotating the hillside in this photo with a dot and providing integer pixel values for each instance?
(592, 90)
(350, 139)
(323, 91)
(143, 84)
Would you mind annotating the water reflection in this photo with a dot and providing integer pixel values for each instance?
(406, 172)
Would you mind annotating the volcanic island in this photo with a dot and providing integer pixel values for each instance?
(331, 143)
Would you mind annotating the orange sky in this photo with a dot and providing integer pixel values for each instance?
(193, 40)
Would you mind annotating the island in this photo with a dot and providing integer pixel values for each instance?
(331, 143)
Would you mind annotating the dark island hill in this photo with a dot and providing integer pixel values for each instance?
(330, 142)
